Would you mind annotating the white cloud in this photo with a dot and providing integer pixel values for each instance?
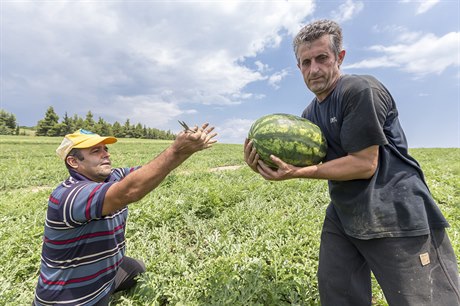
(149, 110)
(261, 67)
(381, 62)
(234, 130)
(423, 5)
(277, 77)
(398, 33)
(347, 10)
(82, 53)
(428, 55)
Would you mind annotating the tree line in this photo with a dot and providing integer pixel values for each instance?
(50, 126)
(8, 124)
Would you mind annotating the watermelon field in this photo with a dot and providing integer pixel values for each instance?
(213, 233)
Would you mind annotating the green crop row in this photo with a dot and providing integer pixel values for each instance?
(213, 233)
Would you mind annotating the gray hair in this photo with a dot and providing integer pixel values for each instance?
(75, 153)
(317, 29)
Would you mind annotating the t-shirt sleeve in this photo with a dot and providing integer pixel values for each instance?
(364, 116)
(84, 202)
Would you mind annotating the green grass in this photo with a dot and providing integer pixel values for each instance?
(208, 237)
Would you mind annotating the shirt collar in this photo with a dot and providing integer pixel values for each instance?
(80, 177)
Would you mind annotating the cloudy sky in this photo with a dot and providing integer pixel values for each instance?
(223, 62)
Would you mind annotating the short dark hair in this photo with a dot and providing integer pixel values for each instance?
(75, 153)
(316, 30)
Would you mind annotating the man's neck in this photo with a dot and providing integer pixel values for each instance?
(334, 84)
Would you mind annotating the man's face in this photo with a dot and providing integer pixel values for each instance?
(96, 164)
(319, 67)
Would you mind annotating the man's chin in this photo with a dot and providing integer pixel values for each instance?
(105, 170)
(316, 86)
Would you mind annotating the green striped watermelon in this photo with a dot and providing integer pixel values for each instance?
(295, 140)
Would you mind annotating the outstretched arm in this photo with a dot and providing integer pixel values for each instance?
(140, 182)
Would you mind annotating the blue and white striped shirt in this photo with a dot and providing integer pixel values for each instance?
(81, 249)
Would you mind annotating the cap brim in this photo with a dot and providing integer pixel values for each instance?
(94, 141)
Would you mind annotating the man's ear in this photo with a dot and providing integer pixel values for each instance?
(341, 57)
(72, 161)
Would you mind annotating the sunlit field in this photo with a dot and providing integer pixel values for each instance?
(213, 233)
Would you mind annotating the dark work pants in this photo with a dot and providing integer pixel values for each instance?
(416, 271)
(125, 278)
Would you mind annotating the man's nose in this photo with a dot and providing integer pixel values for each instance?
(314, 67)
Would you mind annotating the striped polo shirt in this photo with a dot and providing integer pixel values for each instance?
(81, 249)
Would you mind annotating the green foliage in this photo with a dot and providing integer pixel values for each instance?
(67, 125)
(7, 123)
(50, 126)
(89, 123)
(208, 236)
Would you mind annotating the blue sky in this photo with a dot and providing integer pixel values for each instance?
(223, 62)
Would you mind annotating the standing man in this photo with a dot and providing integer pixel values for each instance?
(382, 217)
(83, 257)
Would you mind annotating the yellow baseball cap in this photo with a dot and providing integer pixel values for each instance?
(81, 139)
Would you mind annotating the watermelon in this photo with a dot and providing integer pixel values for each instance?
(295, 140)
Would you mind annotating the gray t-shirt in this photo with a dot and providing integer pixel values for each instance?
(395, 202)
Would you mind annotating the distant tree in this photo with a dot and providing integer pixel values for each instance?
(78, 122)
(56, 130)
(7, 123)
(46, 126)
(167, 135)
(102, 127)
(50, 126)
(138, 131)
(154, 133)
(170, 135)
(67, 125)
(117, 130)
(89, 123)
(127, 129)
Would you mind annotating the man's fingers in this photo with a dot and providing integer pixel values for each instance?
(210, 137)
(277, 161)
(248, 148)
